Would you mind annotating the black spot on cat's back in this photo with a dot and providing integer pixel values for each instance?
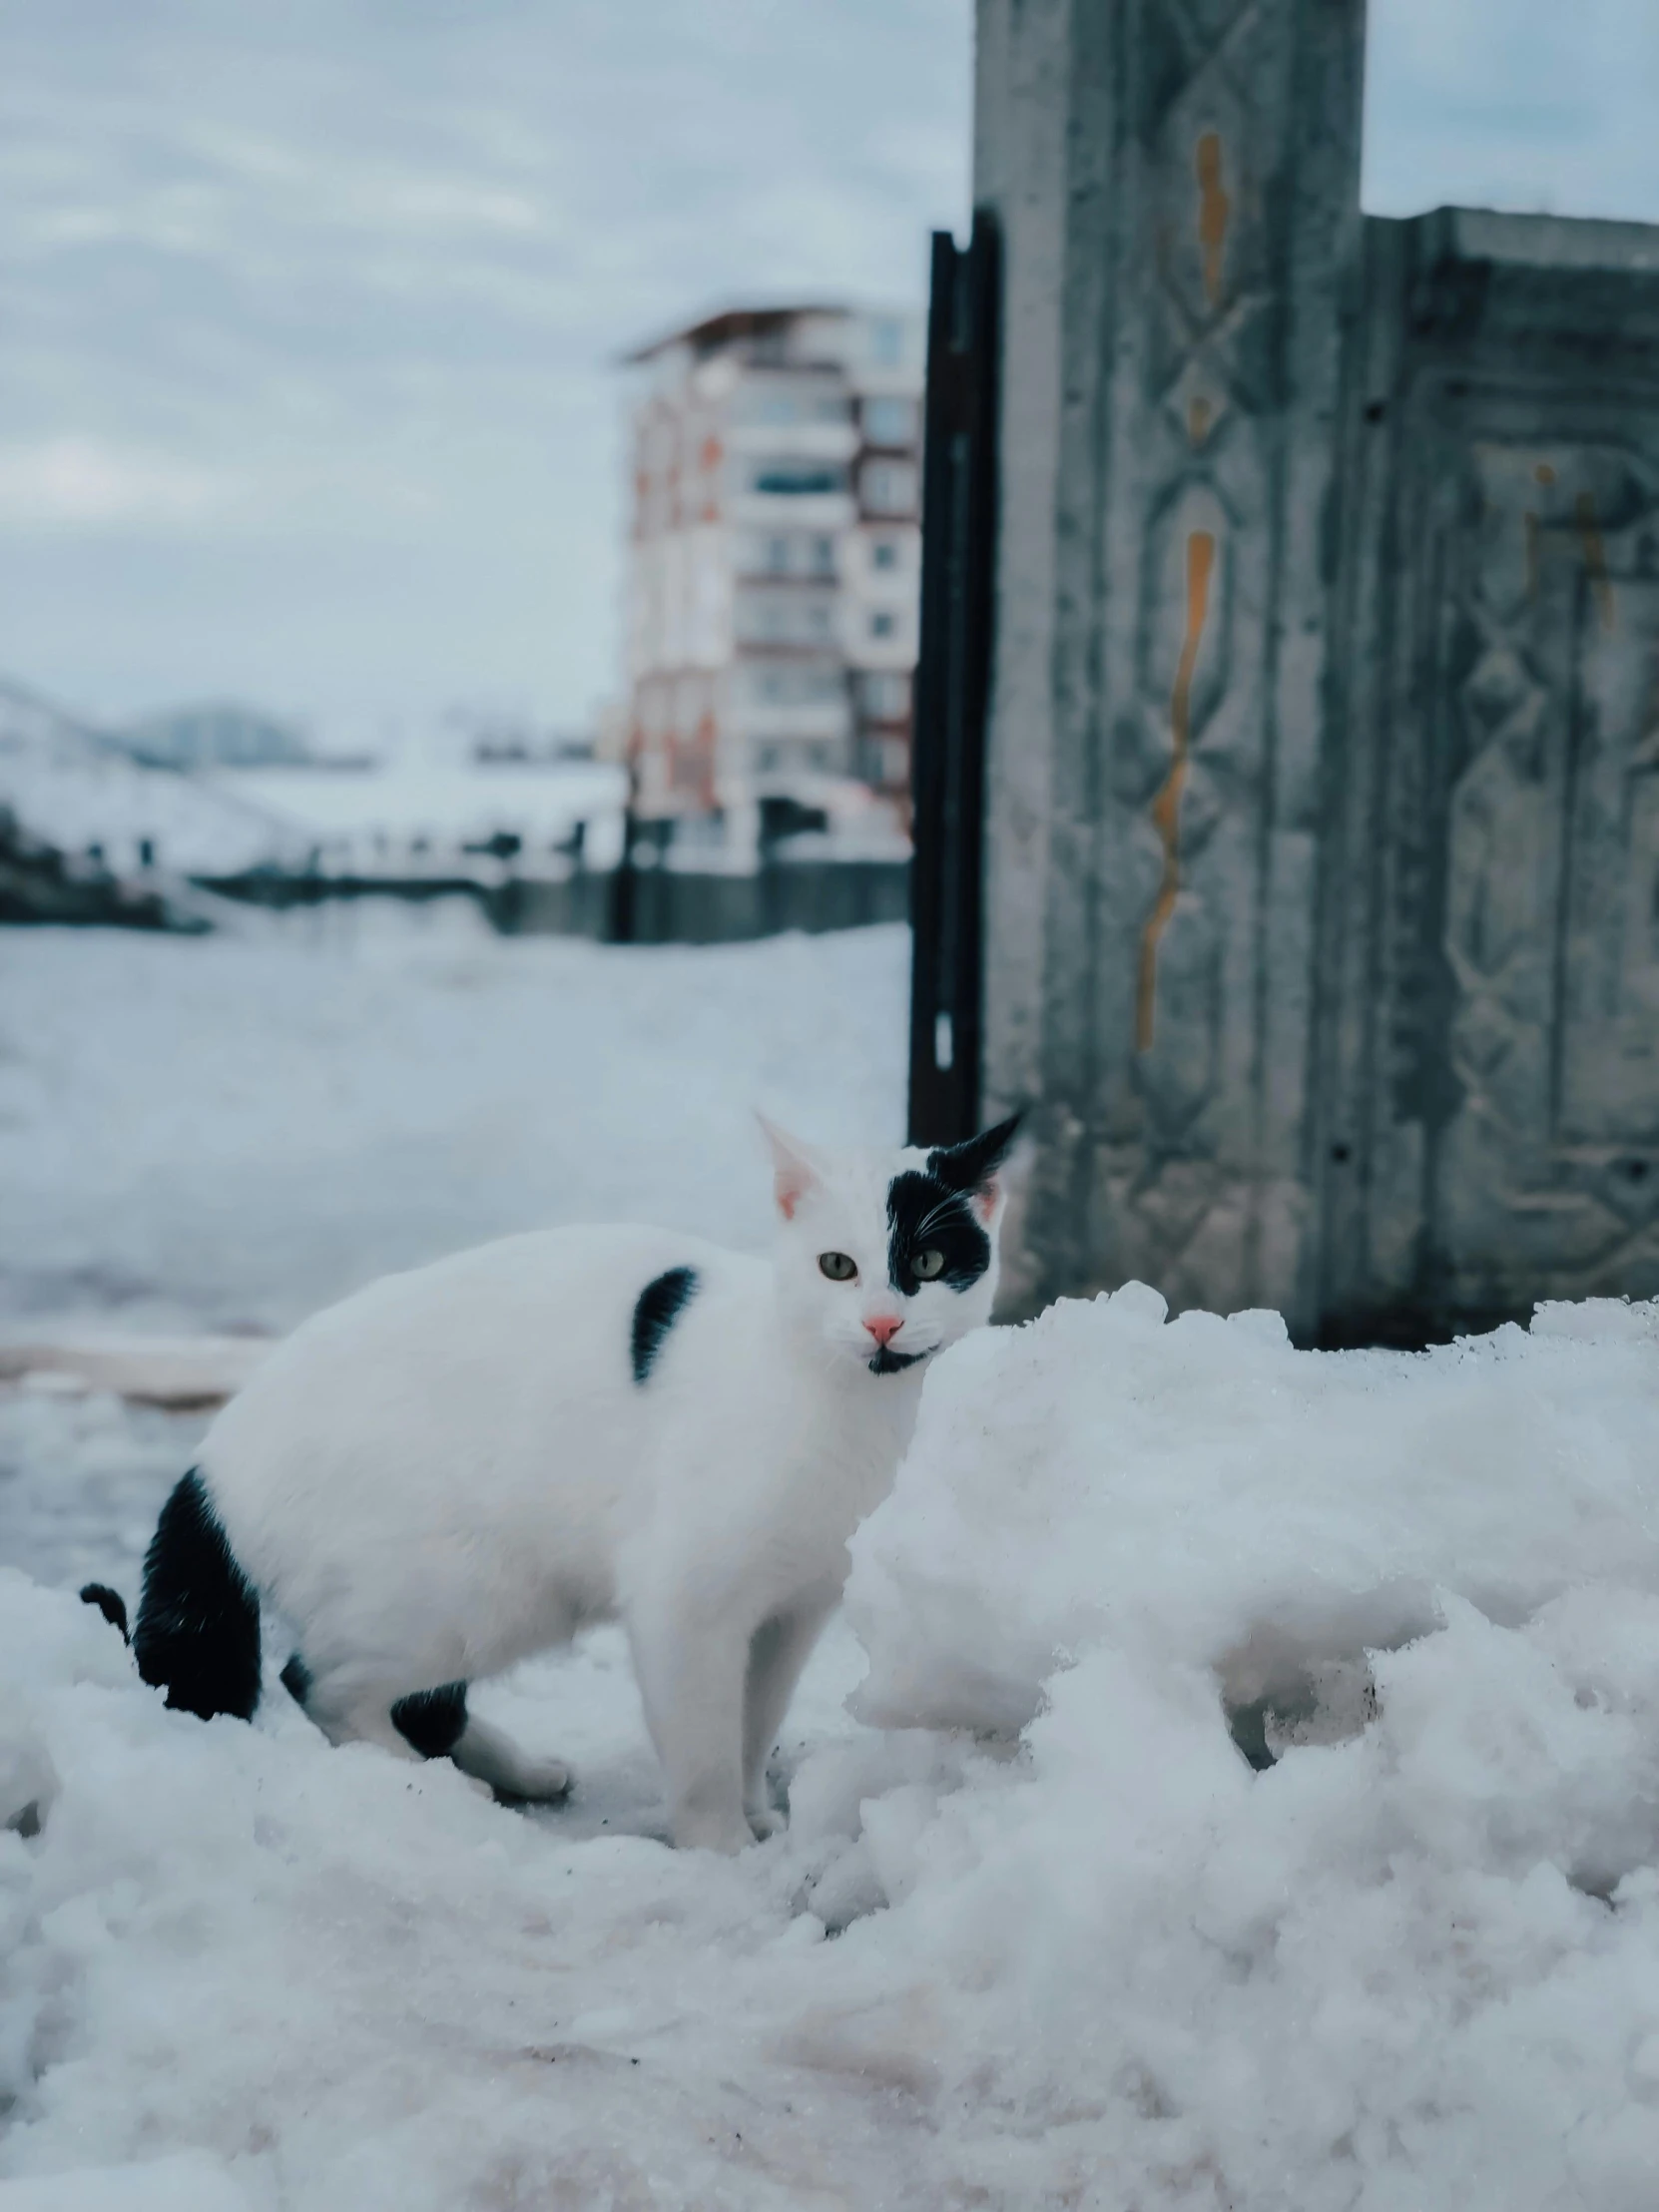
(433, 1722)
(198, 1631)
(656, 1309)
(924, 1214)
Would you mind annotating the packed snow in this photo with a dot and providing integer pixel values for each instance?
(231, 1131)
(1234, 1781)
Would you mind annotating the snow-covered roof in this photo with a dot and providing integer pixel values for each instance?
(447, 806)
(73, 787)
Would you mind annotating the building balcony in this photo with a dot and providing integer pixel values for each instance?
(797, 510)
(804, 441)
(753, 719)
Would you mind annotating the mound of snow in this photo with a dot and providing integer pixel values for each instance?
(1256, 1807)
(334, 1982)
(1412, 1958)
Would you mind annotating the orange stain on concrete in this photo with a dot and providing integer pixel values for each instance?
(1214, 212)
(1596, 560)
(1165, 808)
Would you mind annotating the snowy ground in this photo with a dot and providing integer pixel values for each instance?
(234, 1131)
(1250, 1797)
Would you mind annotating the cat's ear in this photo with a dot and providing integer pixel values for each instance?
(973, 1166)
(794, 1170)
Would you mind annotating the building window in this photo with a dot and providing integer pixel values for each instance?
(798, 478)
(886, 342)
(762, 615)
(884, 554)
(796, 687)
(882, 625)
(778, 556)
(890, 421)
(823, 556)
(889, 487)
(885, 697)
(783, 405)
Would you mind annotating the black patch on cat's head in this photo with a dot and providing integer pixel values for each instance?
(295, 1678)
(656, 1309)
(970, 1165)
(925, 1213)
(932, 1208)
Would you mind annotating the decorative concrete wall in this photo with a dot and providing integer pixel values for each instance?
(1323, 828)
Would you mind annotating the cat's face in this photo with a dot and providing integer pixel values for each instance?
(885, 1258)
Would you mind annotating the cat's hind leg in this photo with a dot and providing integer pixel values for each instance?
(351, 1706)
(365, 1719)
(491, 1756)
(429, 1724)
(438, 1726)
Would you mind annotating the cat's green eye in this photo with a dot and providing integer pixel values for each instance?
(840, 1266)
(927, 1266)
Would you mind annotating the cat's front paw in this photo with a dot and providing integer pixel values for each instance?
(764, 1822)
(703, 1832)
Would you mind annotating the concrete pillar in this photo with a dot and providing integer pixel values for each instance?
(1177, 184)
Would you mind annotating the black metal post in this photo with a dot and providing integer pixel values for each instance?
(958, 522)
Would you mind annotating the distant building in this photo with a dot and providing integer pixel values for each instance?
(775, 560)
(217, 734)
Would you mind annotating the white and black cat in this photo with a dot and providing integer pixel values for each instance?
(462, 1465)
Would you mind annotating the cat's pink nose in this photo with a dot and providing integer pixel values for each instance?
(883, 1326)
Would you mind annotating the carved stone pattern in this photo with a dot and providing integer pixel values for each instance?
(1550, 831)
(1210, 475)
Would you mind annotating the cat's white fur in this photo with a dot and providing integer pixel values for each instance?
(455, 1468)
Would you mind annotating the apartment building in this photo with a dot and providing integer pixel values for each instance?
(775, 561)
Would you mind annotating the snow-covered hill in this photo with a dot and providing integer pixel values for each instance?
(83, 793)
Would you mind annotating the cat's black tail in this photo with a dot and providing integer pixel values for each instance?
(110, 1603)
(198, 1633)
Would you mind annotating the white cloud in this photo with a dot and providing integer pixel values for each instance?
(81, 483)
(379, 265)
(320, 303)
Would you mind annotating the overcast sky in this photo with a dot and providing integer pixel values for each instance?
(308, 311)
